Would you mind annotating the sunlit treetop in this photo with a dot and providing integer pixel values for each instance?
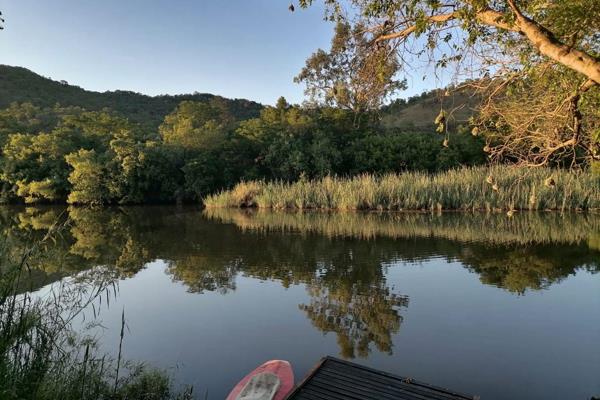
(527, 56)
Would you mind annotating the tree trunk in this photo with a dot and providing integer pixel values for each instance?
(549, 46)
(540, 37)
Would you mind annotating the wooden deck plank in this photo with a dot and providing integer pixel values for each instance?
(417, 390)
(395, 379)
(392, 391)
(343, 387)
(334, 379)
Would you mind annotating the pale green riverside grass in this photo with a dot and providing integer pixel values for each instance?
(492, 188)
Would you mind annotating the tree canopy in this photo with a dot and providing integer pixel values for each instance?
(88, 157)
(536, 62)
(351, 75)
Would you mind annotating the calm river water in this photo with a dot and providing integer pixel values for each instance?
(504, 308)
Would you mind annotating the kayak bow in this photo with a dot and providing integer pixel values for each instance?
(271, 381)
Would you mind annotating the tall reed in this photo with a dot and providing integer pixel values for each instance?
(489, 188)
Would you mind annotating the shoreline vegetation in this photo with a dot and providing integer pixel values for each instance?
(42, 354)
(495, 188)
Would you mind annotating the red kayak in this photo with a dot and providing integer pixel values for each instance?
(271, 381)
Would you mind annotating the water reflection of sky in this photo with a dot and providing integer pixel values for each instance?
(455, 331)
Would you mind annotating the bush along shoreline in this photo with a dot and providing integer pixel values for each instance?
(491, 188)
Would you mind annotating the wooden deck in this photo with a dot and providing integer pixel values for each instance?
(334, 379)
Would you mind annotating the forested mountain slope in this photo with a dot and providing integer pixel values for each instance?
(18, 84)
(61, 143)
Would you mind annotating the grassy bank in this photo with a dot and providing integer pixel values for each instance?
(480, 188)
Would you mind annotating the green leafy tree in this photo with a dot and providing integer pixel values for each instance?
(37, 158)
(212, 155)
(127, 181)
(162, 172)
(35, 166)
(352, 75)
(88, 178)
(195, 125)
(536, 62)
(35, 191)
(291, 141)
(26, 118)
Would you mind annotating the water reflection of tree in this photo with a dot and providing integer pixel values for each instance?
(91, 239)
(108, 238)
(527, 252)
(341, 260)
(347, 298)
(200, 274)
(357, 318)
(518, 269)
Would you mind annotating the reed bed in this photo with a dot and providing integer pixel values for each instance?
(491, 188)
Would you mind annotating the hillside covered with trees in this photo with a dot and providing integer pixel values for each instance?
(20, 85)
(61, 143)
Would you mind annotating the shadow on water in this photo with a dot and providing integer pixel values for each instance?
(341, 258)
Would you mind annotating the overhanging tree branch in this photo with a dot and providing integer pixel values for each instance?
(548, 45)
(540, 37)
(411, 29)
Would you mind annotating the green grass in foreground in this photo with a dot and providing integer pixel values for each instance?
(479, 188)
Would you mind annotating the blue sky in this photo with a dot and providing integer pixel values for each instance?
(235, 48)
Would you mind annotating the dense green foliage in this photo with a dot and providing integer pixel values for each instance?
(67, 153)
(480, 188)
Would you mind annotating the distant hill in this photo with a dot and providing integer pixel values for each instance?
(420, 111)
(19, 84)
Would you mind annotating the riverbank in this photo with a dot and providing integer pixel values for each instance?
(494, 188)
